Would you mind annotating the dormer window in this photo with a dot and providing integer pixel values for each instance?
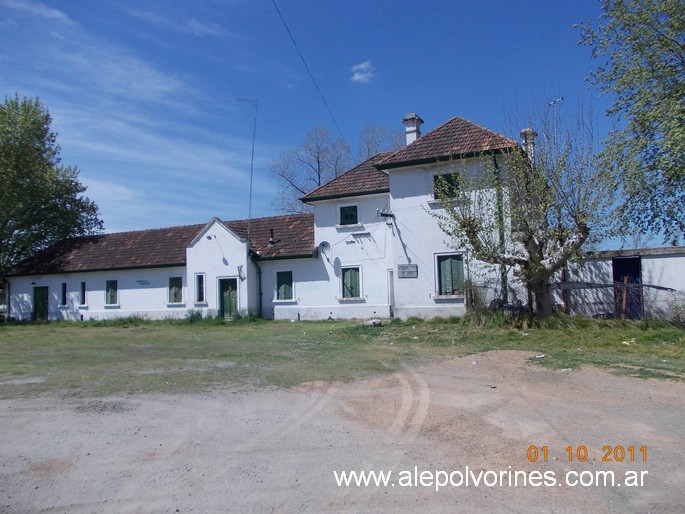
(348, 215)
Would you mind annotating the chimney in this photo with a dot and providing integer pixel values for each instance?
(528, 136)
(413, 127)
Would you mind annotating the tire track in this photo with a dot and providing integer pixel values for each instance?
(406, 426)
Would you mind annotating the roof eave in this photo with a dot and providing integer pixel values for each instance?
(95, 270)
(304, 199)
(443, 158)
(313, 255)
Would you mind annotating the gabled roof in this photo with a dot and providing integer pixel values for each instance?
(164, 247)
(363, 179)
(455, 138)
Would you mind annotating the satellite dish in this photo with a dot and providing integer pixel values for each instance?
(324, 245)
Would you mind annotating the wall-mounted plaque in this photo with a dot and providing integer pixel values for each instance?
(407, 271)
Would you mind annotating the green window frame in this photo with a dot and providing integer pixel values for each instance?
(450, 274)
(284, 285)
(351, 283)
(111, 292)
(349, 215)
(175, 289)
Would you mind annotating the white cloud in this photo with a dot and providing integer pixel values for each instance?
(362, 73)
(37, 9)
(187, 26)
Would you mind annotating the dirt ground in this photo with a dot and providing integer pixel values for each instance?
(277, 450)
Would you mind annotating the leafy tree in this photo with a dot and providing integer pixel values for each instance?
(41, 201)
(642, 44)
(529, 214)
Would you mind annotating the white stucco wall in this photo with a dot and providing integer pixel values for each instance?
(318, 282)
(419, 240)
(665, 271)
(141, 292)
(219, 254)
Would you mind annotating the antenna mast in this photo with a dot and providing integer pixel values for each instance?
(254, 136)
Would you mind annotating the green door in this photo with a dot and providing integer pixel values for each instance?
(40, 303)
(228, 297)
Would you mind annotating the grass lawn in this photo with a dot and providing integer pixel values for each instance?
(86, 359)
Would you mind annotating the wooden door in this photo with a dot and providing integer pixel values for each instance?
(228, 297)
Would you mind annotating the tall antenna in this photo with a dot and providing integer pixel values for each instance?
(254, 136)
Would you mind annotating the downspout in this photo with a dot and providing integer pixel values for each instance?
(500, 226)
(259, 282)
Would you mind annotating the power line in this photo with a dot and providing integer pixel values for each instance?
(311, 76)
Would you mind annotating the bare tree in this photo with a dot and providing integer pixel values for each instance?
(375, 139)
(321, 158)
(317, 160)
(532, 209)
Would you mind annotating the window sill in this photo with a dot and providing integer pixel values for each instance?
(292, 301)
(354, 299)
(201, 304)
(452, 297)
(437, 204)
(176, 304)
(83, 306)
(112, 306)
(351, 228)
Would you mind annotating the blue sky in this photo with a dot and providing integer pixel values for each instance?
(144, 95)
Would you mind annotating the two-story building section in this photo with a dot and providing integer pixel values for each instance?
(371, 247)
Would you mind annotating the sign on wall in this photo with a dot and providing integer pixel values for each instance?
(407, 271)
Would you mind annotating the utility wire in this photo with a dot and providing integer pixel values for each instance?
(311, 76)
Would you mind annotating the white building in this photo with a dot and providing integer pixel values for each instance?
(631, 284)
(371, 248)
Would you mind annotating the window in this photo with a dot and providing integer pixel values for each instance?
(348, 215)
(447, 184)
(199, 288)
(63, 296)
(450, 274)
(82, 296)
(284, 285)
(175, 289)
(350, 283)
(112, 293)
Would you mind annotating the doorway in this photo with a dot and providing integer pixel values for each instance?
(40, 303)
(228, 297)
(391, 293)
(627, 287)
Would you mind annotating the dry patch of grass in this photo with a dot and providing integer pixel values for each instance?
(95, 360)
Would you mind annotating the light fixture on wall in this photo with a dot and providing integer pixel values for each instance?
(240, 272)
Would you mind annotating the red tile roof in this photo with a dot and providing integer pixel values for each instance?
(455, 138)
(293, 235)
(363, 179)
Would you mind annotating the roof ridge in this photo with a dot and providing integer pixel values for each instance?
(245, 220)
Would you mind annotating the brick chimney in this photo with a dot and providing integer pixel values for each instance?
(413, 127)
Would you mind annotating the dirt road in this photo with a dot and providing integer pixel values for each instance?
(277, 450)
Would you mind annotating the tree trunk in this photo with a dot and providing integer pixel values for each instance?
(543, 299)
